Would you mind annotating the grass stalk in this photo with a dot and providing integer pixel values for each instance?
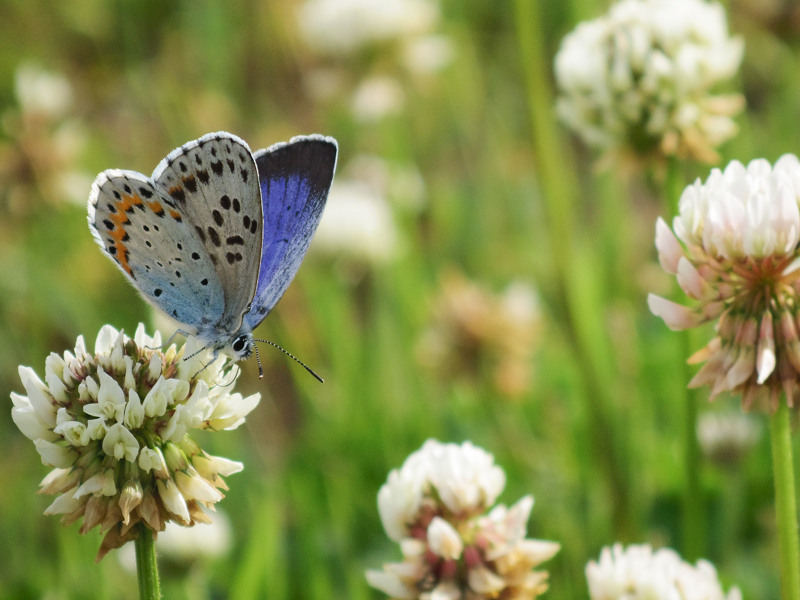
(557, 181)
(692, 522)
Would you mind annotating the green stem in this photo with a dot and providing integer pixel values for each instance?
(785, 502)
(693, 524)
(559, 190)
(146, 567)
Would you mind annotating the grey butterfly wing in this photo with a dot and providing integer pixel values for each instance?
(295, 178)
(214, 181)
(149, 238)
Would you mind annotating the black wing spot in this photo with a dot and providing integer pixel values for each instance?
(111, 208)
(179, 246)
(126, 237)
(112, 250)
(159, 264)
(175, 313)
(231, 165)
(241, 157)
(190, 183)
(160, 213)
(127, 188)
(225, 202)
(238, 256)
(212, 233)
(216, 166)
(109, 225)
(228, 148)
(218, 218)
(253, 226)
(145, 227)
(178, 194)
(195, 256)
(116, 195)
(201, 233)
(231, 257)
(178, 274)
(197, 159)
(147, 268)
(236, 206)
(157, 292)
(235, 240)
(213, 151)
(171, 284)
(155, 227)
(204, 282)
(245, 173)
(183, 167)
(203, 177)
(288, 208)
(246, 222)
(130, 210)
(148, 244)
(145, 192)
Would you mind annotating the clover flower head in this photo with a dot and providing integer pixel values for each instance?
(357, 223)
(637, 80)
(739, 262)
(115, 426)
(436, 507)
(639, 572)
(338, 27)
(469, 324)
(725, 438)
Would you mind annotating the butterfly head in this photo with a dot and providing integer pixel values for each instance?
(240, 347)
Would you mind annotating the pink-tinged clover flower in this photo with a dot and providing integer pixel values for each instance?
(115, 426)
(639, 572)
(436, 507)
(734, 251)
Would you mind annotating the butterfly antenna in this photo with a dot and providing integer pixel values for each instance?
(292, 356)
(258, 360)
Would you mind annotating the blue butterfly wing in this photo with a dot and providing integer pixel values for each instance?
(295, 178)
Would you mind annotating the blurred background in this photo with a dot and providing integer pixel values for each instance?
(436, 300)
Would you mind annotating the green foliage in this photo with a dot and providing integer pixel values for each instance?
(148, 76)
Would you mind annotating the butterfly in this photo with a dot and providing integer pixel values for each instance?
(215, 236)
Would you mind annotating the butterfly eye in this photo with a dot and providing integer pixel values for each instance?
(238, 345)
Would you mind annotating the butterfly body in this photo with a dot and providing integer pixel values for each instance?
(214, 237)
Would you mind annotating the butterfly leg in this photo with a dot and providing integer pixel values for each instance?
(166, 344)
(214, 358)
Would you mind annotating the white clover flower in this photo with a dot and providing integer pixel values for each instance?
(739, 261)
(638, 79)
(376, 98)
(39, 91)
(638, 573)
(726, 437)
(341, 26)
(119, 460)
(428, 54)
(358, 223)
(435, 506)
(205, 540)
